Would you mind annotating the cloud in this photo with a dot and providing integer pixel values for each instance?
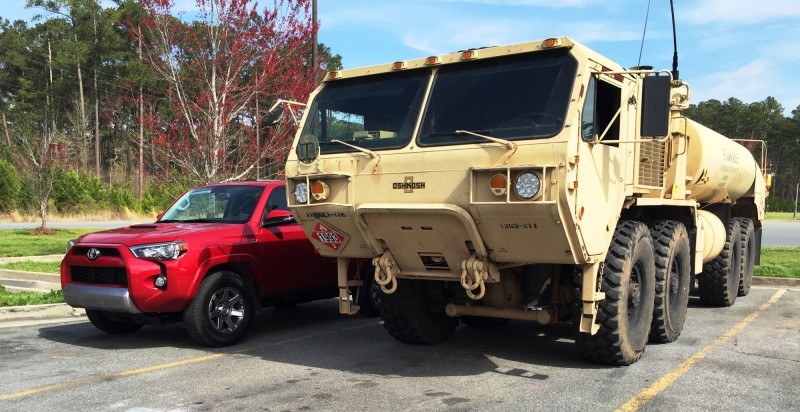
(751, 82)
(742, 11)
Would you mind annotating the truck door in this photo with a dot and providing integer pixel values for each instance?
(601, 190)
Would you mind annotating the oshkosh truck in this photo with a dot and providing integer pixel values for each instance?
(537, 181)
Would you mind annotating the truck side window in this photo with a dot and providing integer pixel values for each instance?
(587, 113)
(601, 104)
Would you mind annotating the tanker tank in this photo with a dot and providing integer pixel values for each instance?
(720, 170)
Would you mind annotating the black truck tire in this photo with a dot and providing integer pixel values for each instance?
(222, 310)
(673, 280)
(719, 283)
(415, 314)
(626, 313)
(749, 251)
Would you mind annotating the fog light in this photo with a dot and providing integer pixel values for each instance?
(160, 282)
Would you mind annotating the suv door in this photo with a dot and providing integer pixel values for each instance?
(287, 258)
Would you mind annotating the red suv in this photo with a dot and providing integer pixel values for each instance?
(212, 259)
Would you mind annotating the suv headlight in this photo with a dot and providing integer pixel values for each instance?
(160, 251)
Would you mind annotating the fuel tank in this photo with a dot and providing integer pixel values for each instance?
(720, 169)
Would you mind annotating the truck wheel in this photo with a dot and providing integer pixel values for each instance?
(415, 314)
(370, 294)
(626, 312)
(749, 252)
(222, 310)
(673, 278)
(719, 282)
(109, 323)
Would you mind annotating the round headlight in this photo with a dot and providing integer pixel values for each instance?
(527, 185)
(301, 192)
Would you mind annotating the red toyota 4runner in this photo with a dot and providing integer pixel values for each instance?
(212, 259)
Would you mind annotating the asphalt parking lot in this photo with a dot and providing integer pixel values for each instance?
(746, 357)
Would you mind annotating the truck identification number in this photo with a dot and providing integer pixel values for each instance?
(329, 236)
(517, 226)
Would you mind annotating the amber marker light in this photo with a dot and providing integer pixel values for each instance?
(499, 184)
(333, 75)
(469, 54)
(552, 42)
(320, 190)
(398, 65)
(433, 60)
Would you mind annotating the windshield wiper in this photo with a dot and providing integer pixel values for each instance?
(371, 154)
(511, 146)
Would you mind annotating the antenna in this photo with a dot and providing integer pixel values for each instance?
(675, 75)
(641, 47)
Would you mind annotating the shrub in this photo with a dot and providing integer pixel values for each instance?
(10, 186)
(69, 192)
(157, 196)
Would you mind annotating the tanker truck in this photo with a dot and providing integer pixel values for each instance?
(537, 181)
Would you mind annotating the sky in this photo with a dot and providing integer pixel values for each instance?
(748, 49)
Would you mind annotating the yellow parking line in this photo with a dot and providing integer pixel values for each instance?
(635, 403)
(103, 377)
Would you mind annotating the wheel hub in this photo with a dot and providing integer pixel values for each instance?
(634, 296)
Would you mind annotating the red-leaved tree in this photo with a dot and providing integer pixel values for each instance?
(220, 72)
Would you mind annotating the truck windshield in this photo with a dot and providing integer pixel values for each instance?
(373, 112)
(517, 97)
(223, 204)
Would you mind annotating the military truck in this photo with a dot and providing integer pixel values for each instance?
(537, 181)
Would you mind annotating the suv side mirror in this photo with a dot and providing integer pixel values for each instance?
(159, 216)
(277, 217)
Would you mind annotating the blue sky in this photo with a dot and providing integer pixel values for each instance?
(747, 49)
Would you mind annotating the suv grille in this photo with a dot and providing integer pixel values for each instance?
(99, 275)
(104, 251)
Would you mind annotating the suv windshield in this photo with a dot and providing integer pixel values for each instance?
(521, 96)
(374, 112)
(226, 204)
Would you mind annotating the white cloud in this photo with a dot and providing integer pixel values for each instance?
(751, 82)
(742, 11)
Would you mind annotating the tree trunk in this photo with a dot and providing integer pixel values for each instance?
(82, 120)
(5, 126)
(96, 106)
(140, 182)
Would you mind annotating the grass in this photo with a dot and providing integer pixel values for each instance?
(779, 262)
(22, 242)
(781, 216)
(30, 266)
(29, 298)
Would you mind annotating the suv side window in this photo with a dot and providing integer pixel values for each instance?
(277, 200)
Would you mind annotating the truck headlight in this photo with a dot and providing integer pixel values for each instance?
(160, 251)
(301, 192)
(527, 185)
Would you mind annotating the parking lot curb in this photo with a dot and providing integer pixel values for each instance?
(39, 312)
(770, 281)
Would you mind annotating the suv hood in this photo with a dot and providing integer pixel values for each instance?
(162, 232)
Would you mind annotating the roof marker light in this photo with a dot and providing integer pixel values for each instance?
(433, 60)
(469, 54)
(398, 65)
(551, 42)
(333, 75)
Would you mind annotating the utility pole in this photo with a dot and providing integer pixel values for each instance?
(314, 57)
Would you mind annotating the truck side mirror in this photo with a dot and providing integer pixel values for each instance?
(277, 217)
(273, 116)
(655, 106)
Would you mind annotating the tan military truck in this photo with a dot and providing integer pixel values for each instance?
(537, 181)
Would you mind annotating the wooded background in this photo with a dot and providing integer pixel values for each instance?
(125, 106)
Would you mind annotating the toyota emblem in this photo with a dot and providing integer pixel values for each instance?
(93, 253)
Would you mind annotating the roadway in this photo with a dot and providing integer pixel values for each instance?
(746, 357)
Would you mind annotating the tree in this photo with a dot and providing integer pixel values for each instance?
(215, 70)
